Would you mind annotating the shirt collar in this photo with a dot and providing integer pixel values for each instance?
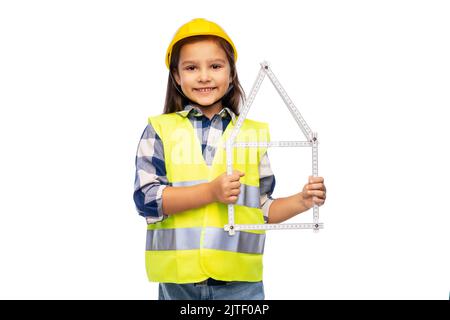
(196, 112)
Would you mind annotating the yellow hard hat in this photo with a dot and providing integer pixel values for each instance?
(198, 27)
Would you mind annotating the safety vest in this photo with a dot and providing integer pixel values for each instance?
(191, 246)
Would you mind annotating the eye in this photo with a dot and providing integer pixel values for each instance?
(190, 68)
(216, 66)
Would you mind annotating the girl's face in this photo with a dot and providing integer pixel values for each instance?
(203, 72)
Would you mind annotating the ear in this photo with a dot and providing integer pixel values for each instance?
(232, 76)
(176, 76)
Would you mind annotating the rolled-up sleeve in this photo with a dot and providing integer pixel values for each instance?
(150, 179)
(266, 185)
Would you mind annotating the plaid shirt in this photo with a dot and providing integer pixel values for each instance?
(151, 176)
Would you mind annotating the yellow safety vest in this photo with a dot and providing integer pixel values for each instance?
(191, 246)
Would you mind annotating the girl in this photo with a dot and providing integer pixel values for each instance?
(181, 184)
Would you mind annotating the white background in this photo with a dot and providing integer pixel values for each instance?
(78, 80)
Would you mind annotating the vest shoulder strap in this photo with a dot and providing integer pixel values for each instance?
(172, 120)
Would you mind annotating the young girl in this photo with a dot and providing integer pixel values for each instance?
(181, 184)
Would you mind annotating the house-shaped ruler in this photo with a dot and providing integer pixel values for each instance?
(311, 141)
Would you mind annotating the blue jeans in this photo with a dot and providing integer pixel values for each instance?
(235, 290)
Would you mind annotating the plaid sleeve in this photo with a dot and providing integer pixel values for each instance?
(266, 185)
(150, 179)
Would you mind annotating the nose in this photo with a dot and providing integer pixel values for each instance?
(204, 75)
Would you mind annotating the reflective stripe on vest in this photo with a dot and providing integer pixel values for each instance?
(215, 238)
(249, 196)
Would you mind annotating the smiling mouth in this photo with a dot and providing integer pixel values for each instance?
(205, 90)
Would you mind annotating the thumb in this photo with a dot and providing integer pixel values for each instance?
(238, 173)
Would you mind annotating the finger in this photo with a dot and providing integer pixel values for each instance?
(315, 186)
(316, 193)
(236, 176)
(232, 192)
(235, 185)
(232, 199)
(312, 179)
(235, 192)
(318, 201)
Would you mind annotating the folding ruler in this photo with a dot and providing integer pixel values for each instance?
(312, 142)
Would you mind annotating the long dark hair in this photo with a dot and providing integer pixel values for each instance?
(176, 102)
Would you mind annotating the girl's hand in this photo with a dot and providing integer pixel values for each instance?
(225, 188)
(314, 192)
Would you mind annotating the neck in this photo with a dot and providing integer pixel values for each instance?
(211, 110)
